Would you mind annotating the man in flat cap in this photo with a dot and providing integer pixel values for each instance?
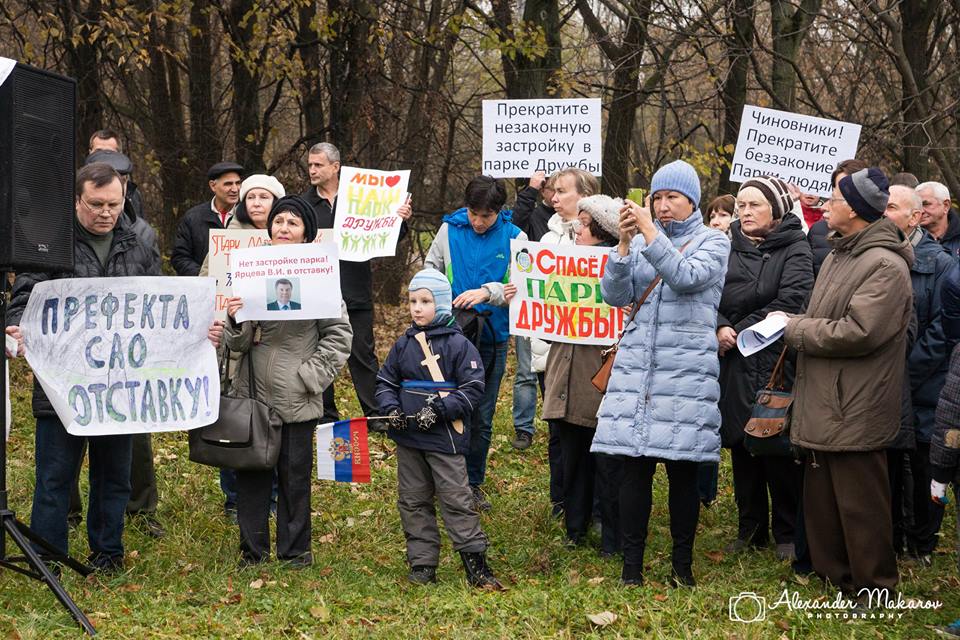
(193, 232)
(851, 345)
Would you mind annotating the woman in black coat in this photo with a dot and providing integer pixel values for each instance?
(770, 269)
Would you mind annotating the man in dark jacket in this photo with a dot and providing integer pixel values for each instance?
(927, 363)
(356, 282)
(143, 479)
(105, 246)
(193, 233)
(852, 348)
(939, 218)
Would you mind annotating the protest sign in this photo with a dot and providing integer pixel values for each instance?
(802, 150)
(523, 136)
(558, 294)
(287, 282)
(222, 244)
(124, 355)
(366, 224)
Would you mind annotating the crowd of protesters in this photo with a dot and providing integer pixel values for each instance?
(866, 283)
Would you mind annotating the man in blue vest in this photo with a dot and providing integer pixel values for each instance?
(472, 248)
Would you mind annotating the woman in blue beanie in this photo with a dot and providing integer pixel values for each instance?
(661, 401)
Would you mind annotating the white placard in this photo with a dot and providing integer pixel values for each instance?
(6, 68)
(124, 355)
(287, 282)
(524, 136)
(802, 150)
(366, 224)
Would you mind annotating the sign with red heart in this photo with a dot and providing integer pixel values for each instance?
(366, 224)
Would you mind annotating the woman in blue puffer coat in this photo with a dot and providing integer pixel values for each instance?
(661, 402)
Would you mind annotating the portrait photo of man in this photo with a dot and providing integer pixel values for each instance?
(283, 294)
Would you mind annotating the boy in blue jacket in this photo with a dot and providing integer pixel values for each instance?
(429, 385)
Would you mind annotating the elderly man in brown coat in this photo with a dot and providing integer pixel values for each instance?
(849, 381)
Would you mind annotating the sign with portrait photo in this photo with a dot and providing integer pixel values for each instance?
(287, 282)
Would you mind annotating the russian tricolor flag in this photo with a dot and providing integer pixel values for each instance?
(342, 451)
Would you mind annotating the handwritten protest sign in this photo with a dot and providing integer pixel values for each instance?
(802, 150)
(523, 136)
(558, 294)
(366, 224)
(124, 355)
(287, 282)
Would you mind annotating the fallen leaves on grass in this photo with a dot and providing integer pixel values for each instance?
(602, 619)
(257, 584)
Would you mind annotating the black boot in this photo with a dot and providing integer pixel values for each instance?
(682, 577)
(478, 571)
(423, 574)
(632, 575)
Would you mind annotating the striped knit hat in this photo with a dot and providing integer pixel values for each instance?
(776, 193)
(867, 192)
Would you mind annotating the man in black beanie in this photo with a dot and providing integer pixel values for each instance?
(193, 232)
(851, 345)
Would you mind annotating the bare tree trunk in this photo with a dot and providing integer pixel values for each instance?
(238, 23)
(205, 140)
(916, 17)
(789, 21)
(734, 93)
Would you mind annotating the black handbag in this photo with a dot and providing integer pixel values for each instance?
(245, 437)
(766, 432)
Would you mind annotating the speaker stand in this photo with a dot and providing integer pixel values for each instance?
(30, 563)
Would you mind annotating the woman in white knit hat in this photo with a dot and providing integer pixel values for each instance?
(257, 195)
(570, 405)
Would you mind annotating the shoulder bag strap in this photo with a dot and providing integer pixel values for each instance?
(643, 297)
(776, 376)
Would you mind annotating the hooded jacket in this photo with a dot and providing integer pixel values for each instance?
(404, 383)
(471, 260)
(774, 275)
(852, 344)
(128, 256)
(929, 357)
(661, 401)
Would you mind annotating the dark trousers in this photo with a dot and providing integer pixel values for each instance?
(143, 479)
(555, 461)
(846, 504)
(423, 476)
(494, 357)
(636, 501)
(294, 474)
(363, 367)
(607, 488)
(753, 478)
(896, 472)
(927, 515)
(578, 470)
(57, 455)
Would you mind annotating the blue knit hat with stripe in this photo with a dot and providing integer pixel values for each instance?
(678, 176)
(439, 286)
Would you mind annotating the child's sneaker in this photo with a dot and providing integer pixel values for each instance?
(479, 573)
(422, 575)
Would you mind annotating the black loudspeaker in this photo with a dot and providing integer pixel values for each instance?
(37, 170)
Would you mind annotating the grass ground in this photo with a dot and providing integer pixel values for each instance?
(188, 584)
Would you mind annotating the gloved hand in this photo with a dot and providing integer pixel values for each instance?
(938, 493)
(397, 420)
(426, 418)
